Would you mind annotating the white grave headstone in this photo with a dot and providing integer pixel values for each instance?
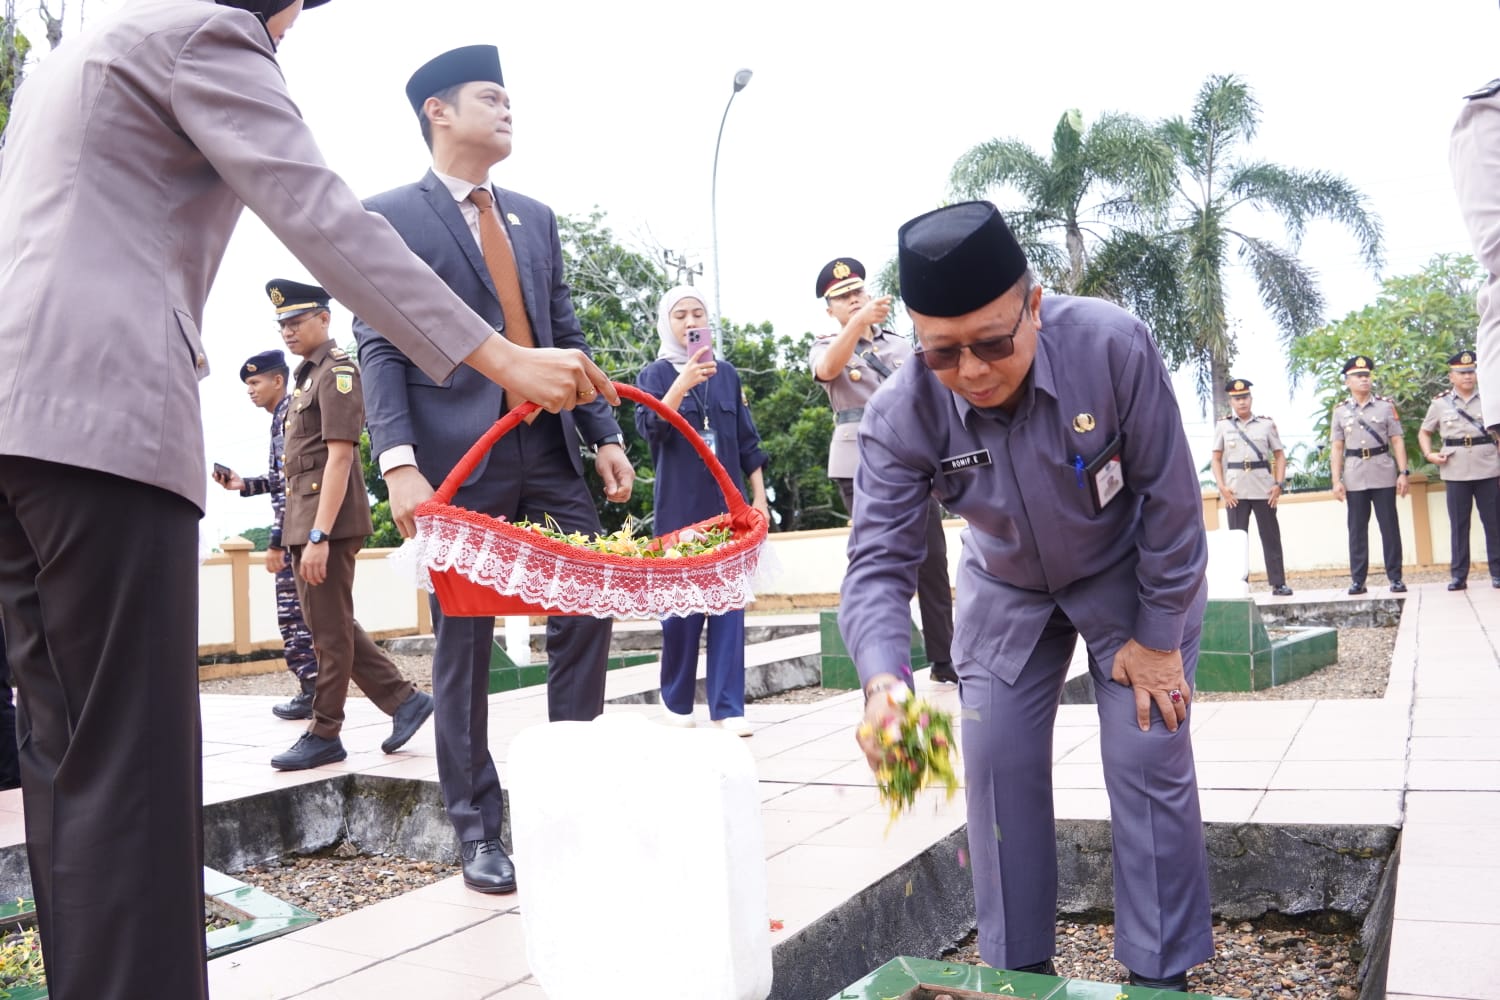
(641, 861)
(1228, 563)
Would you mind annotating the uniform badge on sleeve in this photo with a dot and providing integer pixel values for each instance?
(343, 382)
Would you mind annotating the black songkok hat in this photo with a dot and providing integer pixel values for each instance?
(1463, 361)
(268, 9)
(1238, 387)
(957, 258)
(265, 361)
(839, 277)
(454, 67)
(1359, 363)
(293, 298)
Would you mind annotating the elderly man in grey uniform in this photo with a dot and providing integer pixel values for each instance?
(1474, 156)
(1369, 471)
(850, 365)
(1051, 427)
(1249, 465)
(1469, 463)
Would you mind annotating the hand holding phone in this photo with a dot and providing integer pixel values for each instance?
(698, 338)
(222, 472)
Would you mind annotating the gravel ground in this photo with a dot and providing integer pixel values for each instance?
(1264, 959)
(343, 879)
(282, 684)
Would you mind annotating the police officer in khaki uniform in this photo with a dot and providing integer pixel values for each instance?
(850, 365)
(1474, 155)
(1469, 463)
(327, 519)
(1369, 470)
(1250, 467)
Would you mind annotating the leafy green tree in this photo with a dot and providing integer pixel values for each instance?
(13, 49)
(1411, 329)
(259, 537)
(1117, 172)
(1215, 189)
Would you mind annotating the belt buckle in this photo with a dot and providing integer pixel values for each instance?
(1468, 441)
(1246, 465)
(1364, 453)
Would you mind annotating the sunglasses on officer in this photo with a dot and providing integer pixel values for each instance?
(989, 350)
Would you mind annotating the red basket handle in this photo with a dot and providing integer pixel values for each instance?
(507, 423)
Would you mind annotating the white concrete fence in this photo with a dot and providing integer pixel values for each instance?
(237, 606)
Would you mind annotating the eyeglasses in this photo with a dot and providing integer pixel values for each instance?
(295, 323)
(989, 350)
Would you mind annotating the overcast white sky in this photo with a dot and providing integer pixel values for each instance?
(853, 118)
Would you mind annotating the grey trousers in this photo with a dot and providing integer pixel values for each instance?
(1162, 918)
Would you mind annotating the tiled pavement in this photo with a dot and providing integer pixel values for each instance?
(1427, 755)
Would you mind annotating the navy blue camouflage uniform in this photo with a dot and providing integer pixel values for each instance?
(300, 658)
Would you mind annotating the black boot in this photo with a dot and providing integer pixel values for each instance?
(300, 707)
(943, 673)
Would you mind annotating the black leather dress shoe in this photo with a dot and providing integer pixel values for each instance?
(1495, 583)
(1038, 968)
(1398, 587)
(410, 715)
(1358, 588)
(1176, 984)
(1458, 584)
(487, 868)
(1282, 591)
(309, 751)
(300, 707)
(943, 673)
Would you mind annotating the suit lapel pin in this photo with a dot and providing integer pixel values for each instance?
(513, 218)
(1083, 423)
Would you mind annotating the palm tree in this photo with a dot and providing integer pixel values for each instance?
(1120, 167)
(1212, 185)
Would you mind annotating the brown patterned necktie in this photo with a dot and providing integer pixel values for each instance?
(500, 259)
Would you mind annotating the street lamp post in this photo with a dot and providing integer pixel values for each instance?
(740, 79)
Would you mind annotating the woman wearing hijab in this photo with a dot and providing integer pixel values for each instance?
(706, 391)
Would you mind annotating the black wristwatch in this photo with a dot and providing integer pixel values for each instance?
(1404, 472)
(316, 537)
(618, 439)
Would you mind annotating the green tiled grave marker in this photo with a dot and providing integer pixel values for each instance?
(838, 668)
(923, 979)
(1237, 654)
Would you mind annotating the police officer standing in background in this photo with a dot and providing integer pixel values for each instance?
(1474, 156)
(1369, 470)
(1469, 463)
(265, 377)
(327, 519)
(1050, 426)
(850, 365)
(1246, 448)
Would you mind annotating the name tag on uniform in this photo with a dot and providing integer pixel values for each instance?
(972, 460)
(1104, 477)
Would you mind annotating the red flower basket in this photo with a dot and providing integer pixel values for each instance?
(481, 566)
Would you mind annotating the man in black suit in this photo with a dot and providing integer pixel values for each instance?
(500, 252)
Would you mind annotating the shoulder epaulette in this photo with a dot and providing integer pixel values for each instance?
(338, 354)
(1488, 90)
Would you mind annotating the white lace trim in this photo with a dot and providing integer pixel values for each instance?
(656, 588)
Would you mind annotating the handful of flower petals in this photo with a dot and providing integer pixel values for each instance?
(624, 542)
(918, 745)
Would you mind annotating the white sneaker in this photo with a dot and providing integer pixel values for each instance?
(735, 724)
(672, 718)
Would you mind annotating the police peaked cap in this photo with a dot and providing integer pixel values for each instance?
(265, 361)
(839, 277)
(957, 258)
(291, 299)
(452, 68)
(1359, 363)
(1238, 387)
(1463, 361)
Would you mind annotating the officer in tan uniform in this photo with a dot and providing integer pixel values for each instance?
(1474, 155)
(1250, 467)
(1369, 470)
(850, 365)
(327, 519)
(1469, 463)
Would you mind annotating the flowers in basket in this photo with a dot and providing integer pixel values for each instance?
(918, 745)
(625, 542)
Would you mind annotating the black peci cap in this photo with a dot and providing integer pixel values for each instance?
(454, 67)
(957, 258)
